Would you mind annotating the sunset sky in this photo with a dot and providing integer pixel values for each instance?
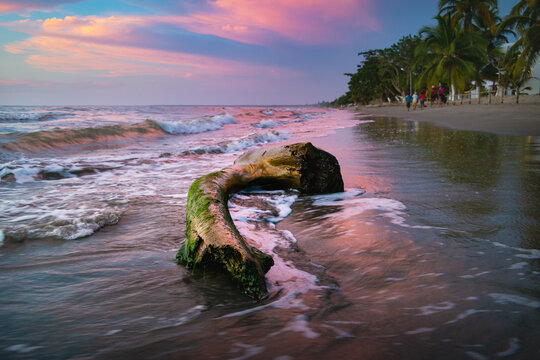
(193, 52)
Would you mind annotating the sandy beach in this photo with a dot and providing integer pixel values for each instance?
(507, 118)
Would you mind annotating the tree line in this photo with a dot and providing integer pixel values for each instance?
(468, 46)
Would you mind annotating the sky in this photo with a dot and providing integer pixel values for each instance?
(194, 52)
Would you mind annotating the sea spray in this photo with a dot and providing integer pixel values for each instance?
(245, 142)
(197, 125)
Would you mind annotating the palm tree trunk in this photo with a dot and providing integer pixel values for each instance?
(479, 95)
(452, 88)
(503, 90)
(517, 95)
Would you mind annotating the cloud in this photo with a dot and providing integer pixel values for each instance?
(128, 45)
(311, 22)
(112, 46)
(74, 56)
(29, 5)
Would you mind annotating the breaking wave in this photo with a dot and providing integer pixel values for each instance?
(7, 117)
(266, 123)
(240, 144)
(59, 138)
(28, 172)
(197, 126)
(60, 224)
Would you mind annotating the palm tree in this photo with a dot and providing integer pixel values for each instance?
(449, 53)
(496, 37)
(525, 17)
(472, 15)
(469, 12)
(517, 74)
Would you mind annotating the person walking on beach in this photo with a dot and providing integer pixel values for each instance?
(441, 95)
(408, 100)
(422, 99)
(414, 100)
(433, 95)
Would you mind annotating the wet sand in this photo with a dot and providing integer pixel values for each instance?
(510, 119)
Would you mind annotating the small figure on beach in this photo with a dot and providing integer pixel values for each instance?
(422, 99)
(408, 100)
(414, 100)
(433, 95)
(442, 97)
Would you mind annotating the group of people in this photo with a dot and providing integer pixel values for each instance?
(435, 97)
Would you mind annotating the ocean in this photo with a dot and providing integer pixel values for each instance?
(432, 251)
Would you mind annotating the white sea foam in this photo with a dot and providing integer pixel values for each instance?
(267, 112)
(27, 117)
(527, 253)
(22, 348)
(466, 314)
(513, 348)
(518, 266)
(240, 144)
(434, 308)
(266, 123)
(299, 324)
(197, 126)
(420, 331)
(352, 206)
(472, 276)
(43, 222)
(476, 356)
(249, 351)
(112, 332)
(257, 227)
(516, 299)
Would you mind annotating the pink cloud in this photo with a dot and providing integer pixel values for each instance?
(74, 56)
(312, 22)
(109, 46)
(302, 21)
(29, 5)
(12, 82)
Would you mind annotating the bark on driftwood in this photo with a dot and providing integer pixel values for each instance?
(212, 238)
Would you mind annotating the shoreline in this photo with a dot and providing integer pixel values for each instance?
(505, 119)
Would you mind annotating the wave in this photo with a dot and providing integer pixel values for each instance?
(60, 224)
(240, 144)
(6, 117)
(197, 126)
(59, 138)
(266, 123)
(24, 173)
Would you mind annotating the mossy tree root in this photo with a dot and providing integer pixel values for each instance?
(212, 237)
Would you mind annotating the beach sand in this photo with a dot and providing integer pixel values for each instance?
(507, 118)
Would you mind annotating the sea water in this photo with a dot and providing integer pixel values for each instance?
(433, 250)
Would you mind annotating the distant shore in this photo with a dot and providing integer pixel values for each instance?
(507, 118)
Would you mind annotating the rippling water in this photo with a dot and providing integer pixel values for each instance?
(432, 252)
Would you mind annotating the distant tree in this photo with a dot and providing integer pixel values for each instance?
(366, 83)
(401, 57)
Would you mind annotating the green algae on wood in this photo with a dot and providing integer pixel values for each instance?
(211, 236)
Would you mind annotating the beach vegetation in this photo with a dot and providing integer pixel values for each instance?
(469, 46)
(469, 14)
(450, 54)
(524, 17)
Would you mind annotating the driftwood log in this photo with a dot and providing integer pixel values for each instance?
(211, 236)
